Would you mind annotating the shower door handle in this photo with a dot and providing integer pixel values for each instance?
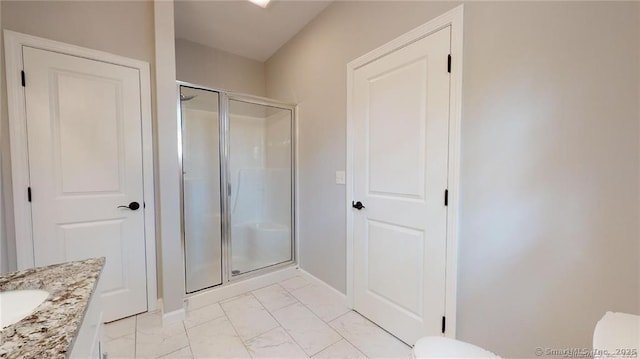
(357, 205)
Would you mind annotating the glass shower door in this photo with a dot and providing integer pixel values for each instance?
(260, 185)
(201, 188)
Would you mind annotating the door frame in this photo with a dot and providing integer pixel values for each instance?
(13, 44)
(454, 19)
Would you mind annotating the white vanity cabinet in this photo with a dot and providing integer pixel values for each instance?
(89, 340)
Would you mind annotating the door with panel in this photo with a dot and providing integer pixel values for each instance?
(85, 169)
(401, 127)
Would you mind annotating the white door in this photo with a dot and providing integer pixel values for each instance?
(401, 119)
(85, 160)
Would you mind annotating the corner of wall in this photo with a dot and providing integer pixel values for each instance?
(168, 171)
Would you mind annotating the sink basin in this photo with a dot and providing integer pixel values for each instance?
(17, 304)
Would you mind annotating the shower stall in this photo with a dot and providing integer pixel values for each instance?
(237, 159)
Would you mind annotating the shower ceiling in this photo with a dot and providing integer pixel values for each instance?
(240, 27)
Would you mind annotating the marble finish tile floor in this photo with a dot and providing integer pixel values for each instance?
(291, 319)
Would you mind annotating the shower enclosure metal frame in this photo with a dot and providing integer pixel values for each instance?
(224, 97)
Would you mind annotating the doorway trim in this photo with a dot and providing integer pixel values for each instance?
(14, 42)
(454, 19)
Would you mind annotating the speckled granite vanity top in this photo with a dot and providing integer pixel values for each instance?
(49, 332)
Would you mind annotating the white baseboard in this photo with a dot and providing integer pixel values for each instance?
(315, 280)
(170, 317)
(154, 305)
(174, 317)
(233, 289)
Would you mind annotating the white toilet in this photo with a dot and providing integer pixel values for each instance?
(613, 331)
(616, 332)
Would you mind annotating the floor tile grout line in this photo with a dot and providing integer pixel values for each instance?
(374, 324)
(342, 315)
(321, 350)
(353, 345)
(291, 336)
(294, 289)
(236, 331)
(288, 305)
(301, 302)
(311, 284)
(339, 315)
(224, 315)
(273, 285)
(312, 313)
(206, 321)
(115, 321)
(267, 286)
(175, 351)
(191, 351)
(188, 339)
(164, 338)
(297, 301)
(110, 340)
(265, 309)
(346, 340)
(334, 329)
(384, 330)
(236, 297)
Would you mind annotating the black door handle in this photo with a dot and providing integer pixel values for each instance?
(357, 205)
(132, 206)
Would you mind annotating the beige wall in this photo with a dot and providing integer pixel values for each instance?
(123, 28)
(202, 65)
(120, 27)
(549, 184)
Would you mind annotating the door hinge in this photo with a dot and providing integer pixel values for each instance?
(446, 197)
(444, 324)
(23, 78)
(29, 194)
(449, 63)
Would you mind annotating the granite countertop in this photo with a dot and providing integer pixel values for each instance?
(49, 332)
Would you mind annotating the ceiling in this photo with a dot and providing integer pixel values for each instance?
(242, 28)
